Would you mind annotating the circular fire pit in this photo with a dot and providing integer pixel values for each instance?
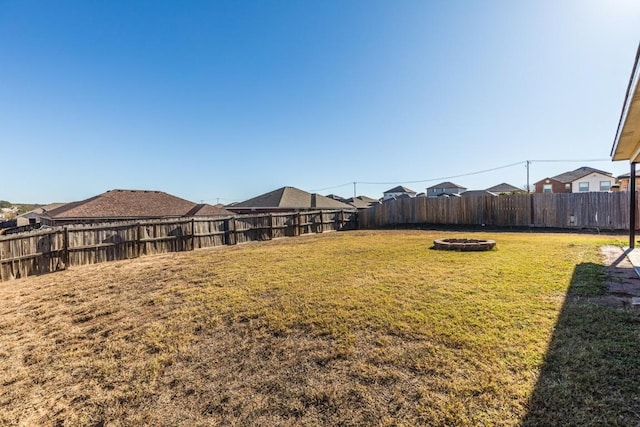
(464, 244)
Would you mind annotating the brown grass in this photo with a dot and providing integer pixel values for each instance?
(359, 328)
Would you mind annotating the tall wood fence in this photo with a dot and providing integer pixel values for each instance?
(57, 248)
(605, 211)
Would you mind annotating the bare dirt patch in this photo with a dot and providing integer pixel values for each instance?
(622, 282)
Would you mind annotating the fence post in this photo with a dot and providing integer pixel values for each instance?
(1, 266)
(65, 245)
(193, 233)
(232, 232)
(532, 210)
(298, 231)
(270, 226)
(138, 240)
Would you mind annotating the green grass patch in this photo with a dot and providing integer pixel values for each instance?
(357, 328)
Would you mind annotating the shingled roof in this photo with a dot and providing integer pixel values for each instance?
(504, 188)
(361, 202)
(400, 189)
(446, 184)
(291, 198)
(577, 174)
(208, 210)
(124, 204)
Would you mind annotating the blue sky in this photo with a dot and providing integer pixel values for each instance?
(225, 100)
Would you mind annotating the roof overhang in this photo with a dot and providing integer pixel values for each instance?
(626, 145)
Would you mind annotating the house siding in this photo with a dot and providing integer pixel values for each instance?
(594, 180)
(556, 186)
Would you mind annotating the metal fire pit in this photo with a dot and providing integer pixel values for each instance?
(464, 244)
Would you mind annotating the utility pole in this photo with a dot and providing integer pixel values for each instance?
(528, 163)
(354, 189)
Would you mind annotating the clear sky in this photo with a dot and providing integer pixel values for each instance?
(225, 100)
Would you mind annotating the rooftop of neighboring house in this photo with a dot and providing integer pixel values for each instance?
(335, 197)
(361, 202)
(42, 209)
(504, 188)
(125, 204)
(400, 189)
(583, 171)
(209, 210)
(478, 193)
(445, 185)
(291, 198)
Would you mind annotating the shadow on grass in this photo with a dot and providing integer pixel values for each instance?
(591, 372)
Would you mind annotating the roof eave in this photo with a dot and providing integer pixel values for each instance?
(626, 145)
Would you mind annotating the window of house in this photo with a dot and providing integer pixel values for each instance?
(546, 188)
(605, 185)
(583, 186)
(567, 186)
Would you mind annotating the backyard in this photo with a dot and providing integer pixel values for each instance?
(353, 328)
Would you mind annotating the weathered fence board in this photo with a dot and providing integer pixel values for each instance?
(608, 211)
(54, 249)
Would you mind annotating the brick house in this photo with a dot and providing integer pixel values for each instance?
(583, 179)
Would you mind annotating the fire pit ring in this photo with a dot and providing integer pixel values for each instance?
(464, 245)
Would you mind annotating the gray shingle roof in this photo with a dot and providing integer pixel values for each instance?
(400, 189)
(291, 198)
(504, 188)
(577, 174)
(478, 193)
(446, 184)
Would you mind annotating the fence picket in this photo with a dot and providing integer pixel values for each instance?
(38, 252)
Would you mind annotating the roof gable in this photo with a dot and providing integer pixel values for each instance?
(504, 188)
(446, 184)
(291, 198)
(571, 176)
(399, 189)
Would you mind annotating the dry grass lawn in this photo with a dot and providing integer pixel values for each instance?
(356, 328)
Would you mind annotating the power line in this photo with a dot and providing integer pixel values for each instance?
(567, 161)
(444, 177)
(335, 186)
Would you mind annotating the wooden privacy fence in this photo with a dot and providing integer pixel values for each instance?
(57, 248)
(606, 211)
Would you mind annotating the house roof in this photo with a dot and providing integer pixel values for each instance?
(291, 198)
(336, 197)
(208, 210)
(571, 176)
(400, 189)
(42, 209)
(125, 204)
(478, 193)
(626, 144)
(360, 202)
(444, 185)
(504, 188)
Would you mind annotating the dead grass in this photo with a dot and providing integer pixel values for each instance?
(358, 328)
